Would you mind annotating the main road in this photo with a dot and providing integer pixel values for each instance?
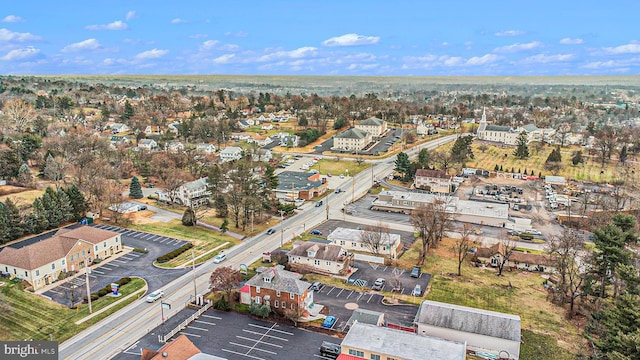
(117, 332)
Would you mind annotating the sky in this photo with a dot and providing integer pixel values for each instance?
(326, 37)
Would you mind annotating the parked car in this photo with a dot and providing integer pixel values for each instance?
(415, 272)
(316, 286)
(142, 207)
(535, 232)
(329, 350)
(318, 203)
(416, 291)
(329, 321)
(155, 296)
(219, 258)
(315, 232)
(270, 231)
(378, 284)
(526, 236)
(338, 190)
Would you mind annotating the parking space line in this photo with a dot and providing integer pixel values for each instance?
(239, 353)
(212, 317)
(127, 258)
(370, 297)
(271, 329)
(154, 238)
(264, 335)
(163, 240)
(252, 347)
(128, 232)
(340, 292)
(329, 292)
(120, 261)
(351, 293)
(145, 236)
(188, 334)
(112, 264)
(55, 291)
(264, 342)
(136, 255)
(197, 328)
(205, 322)
(105, 268)
(361, 294)
(91, 276)
(98, 272)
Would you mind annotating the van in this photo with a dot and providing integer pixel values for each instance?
(155, 296)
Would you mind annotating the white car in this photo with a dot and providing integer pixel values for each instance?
(219, 258)
(534, 232)
(155, 296)
(416, 291)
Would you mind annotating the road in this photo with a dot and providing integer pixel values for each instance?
(115, 333)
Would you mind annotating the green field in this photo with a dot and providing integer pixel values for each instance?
(336, 167)
(28, 316)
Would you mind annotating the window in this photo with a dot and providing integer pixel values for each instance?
(258, 299)
(53, 266)
(356, 353)
(291, 295)
(284, 305)
(316, 262)
(83, 253)
(354, 244)
(278, 293)
(258, 289)
(37, 272)
(375, 357)
(105, 244)
(63, 261)
(117, 238)
(328, 263)
(96, 247)
(293, 306)
(390, 358)
(26, 274)
(342, 242)
(71, 257)
(275, 304)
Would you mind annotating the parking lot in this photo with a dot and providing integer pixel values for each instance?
(238, 337)
(124, 264)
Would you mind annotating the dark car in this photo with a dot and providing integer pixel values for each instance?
(316, 286)
(142, 207)
(315, 232)
(415, 272)
(270, 231)
(329, 350)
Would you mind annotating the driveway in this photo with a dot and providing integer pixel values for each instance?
(124, 264)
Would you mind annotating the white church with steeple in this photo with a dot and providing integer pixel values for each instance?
(508, 135)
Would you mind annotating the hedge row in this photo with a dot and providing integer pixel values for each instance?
(175, 253)
(107, 289)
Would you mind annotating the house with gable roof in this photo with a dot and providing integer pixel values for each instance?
(194, 193)
(353, 139)
(310, 256)
(374, 126)
(436, 181)
(281, 289)
(148, 144)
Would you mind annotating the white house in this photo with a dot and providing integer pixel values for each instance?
(207, 149)
(174, 146)
(230, 153)
(423, 128)
(262, 155)
(119, 128)
(193, 193)
(353, 139)
(153, 130)
(352, 239)
(319, 257)
(125, 207)
(374, 126)
(147, 144)
(436, 181)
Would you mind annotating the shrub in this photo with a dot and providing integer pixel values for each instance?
(222, 304)
(138, 250)
(102, 292)
(175, 253)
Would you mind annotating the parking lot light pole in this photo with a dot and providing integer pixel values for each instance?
(86, 272)
(281, 228)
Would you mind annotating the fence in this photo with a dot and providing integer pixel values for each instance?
(400, 327)
(165, 338)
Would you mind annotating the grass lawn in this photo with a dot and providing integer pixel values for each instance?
(23, 197)
(519, 293)
(337, 167)
(29, 316)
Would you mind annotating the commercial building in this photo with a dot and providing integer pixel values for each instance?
(374, 126)
(436, 181)
(299, 185)
(353, 139)
(377, 243)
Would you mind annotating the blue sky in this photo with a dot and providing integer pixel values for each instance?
(328, 37)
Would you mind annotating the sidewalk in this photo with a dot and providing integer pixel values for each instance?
(95, 313)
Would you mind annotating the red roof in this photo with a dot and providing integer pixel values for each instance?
(245, 289)
(348, 357)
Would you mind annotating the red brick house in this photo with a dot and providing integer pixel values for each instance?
(281, 289)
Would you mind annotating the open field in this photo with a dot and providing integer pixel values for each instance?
(28, 316)
(19, 195)
(337, 167)
(516, 292)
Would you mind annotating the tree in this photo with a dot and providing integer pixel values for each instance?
(224, 227)
(522, 149)
(338, 124)
(225, 279)
(189, 217)
(375, 237)
(128, 111)
(54, 170)
(20, 112)
(295, 314)
(462, 245)
(605, 140)
(262, 310)
(431, 221)
(577, 158)
(505, 248)
(461, 150)
(615, 329)
(554, 156)
(402, 164)
(623, 154)
(424, 158)
(135, 189)
(14, 226)
(78, 203)
(565, 251)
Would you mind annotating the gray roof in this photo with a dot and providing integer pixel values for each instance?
(328, 252)
(372, 121)
(365, 316)
(468, 319)
(300, 181)
(498, 128)
(352, 133)
(401, 344)
(281, 280)
(530, 127)
(196, 184)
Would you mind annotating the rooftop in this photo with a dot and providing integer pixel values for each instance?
(372, 121)
(352, 133)
(328, 252)
(354, 234)
(300, 181)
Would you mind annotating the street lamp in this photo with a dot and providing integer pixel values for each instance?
(281, 228)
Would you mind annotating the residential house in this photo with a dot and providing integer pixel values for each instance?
(40, 262)
(148, 144)
(353, 139)
(230, 153)
(423, 128)
(281, 289)
(517, 259)
(206, 149)
(243, 124)
(194, 193)
(240, 136)
(125, 207)
(436, 181)
(374, 126)
(174, 146)
(366, 341)
(263, 155)
(353, 239)
(153, 130)
(267, 126)
(119, 128)
(299, 185)
(179, 349)
(328, 259)
(289, 141)
(484, 331)
(174, 128)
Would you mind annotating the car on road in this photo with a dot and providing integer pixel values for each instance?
(270, 231)
(378, 284)
(316, 286)
(535, 232)
(142, 207)
(415, 272)
(315, 232)
(329, 350)
(338, 190)
(329, 321)
(329, 175)
(416, 291)
(155, 296)
(219, 258)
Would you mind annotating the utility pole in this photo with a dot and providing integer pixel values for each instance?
(353, 188)
(86, 272)
(328, 206)
(281, 228)
(193, 268)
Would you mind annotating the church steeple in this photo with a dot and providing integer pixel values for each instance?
(483, 119)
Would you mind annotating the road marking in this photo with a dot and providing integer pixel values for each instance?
(188, 334)
(329, 292)
(212, 317)
(112, 264)
(264, 342)
(197, 328)
(105, 268)
(272, 329)
(370, 297)
(321, 357)
(340, 292)
(204, 322)
(351, 293)
(135, 344)
(98, 272)
(146, 236)
(253, 348)
(238, 353)
(163, 240)
(361, 294)
(128, 232)
(264, 335)
(120, 261)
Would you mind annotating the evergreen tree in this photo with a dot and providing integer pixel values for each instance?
(423, 158)
(79, 204)
(3, 225)
(522, 149)
(402, 164)
(37, 221)
(496, 168)
(224, 226)
(50, 203)
(577, 158)
(623, 154)
(65, 210)
(14, 226)
(461, 150)
(128, 111)
(555, 156)
(189, 217)
(270, 178)
(220, 204)
(615, 329)
(135, 189)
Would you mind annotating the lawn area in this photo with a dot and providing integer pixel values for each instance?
(590, 170)
(28, 316)
(22, 197)
(337, 167)
(519, 293)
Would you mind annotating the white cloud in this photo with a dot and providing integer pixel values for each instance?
(431, 61)
(509, 33)
(294, 54)
(236, 34)
(518, 47)
(151, 54)
(178, 21)
(481, 60)
(613, 63)
(351, 40)
(224, 59)
(544, 59)
(10, 36)
(12, 19)
(198, 36)
(631, 48)
(89, 44)
(21, 54)
(116, 25)
(570, 41)
(130, 15)
(208, 45)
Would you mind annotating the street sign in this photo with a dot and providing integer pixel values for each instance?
(166, 305)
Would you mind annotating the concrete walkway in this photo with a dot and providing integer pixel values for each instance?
(95, 313)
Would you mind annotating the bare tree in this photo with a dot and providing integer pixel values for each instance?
(431, 221)
(375, 237)
(462, 245)
(566, 251)
(20, 112)
(54, 170)
(295, 314)
(504, 251)
(225, 279)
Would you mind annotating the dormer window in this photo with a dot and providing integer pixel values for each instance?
(311, 253)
